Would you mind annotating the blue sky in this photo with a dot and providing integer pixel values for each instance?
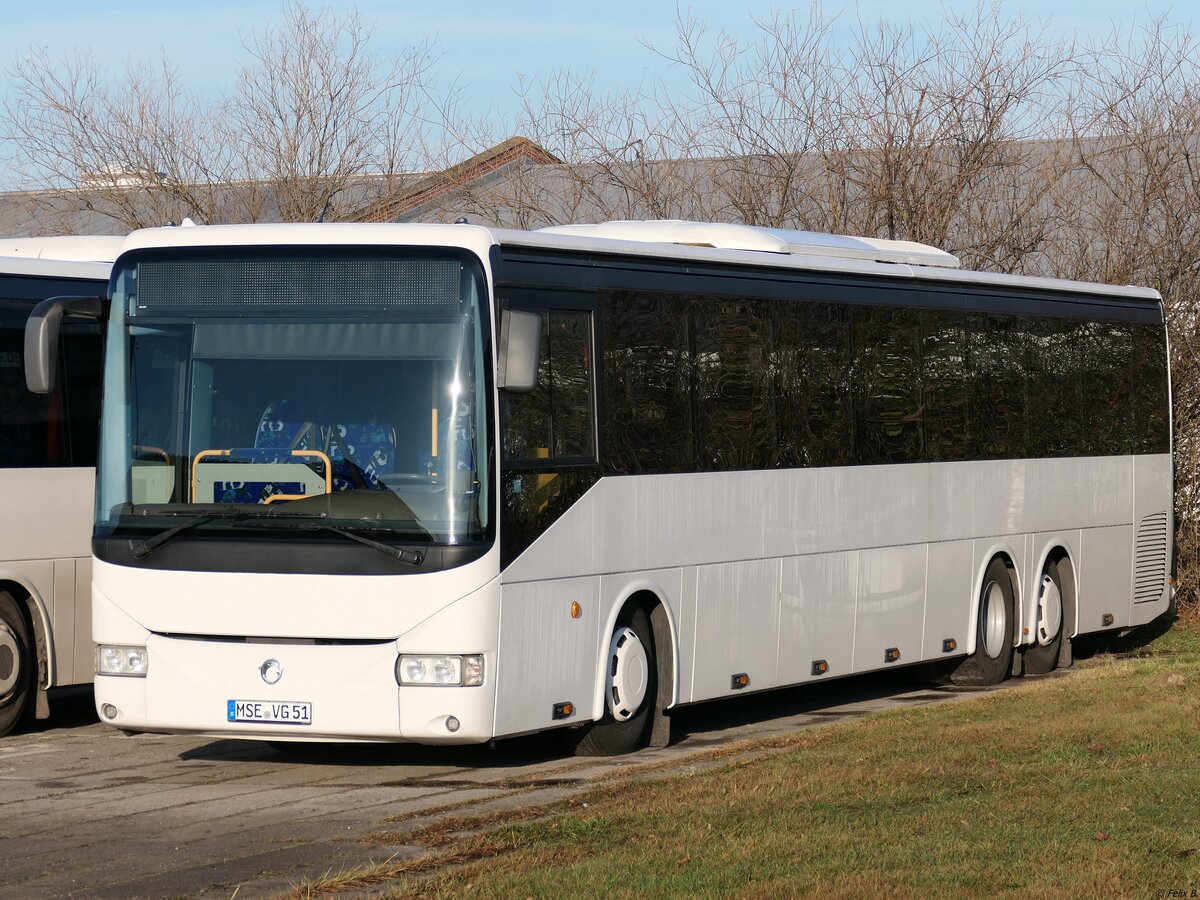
(486, 45)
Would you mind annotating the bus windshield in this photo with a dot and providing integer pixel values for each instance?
(336, 387)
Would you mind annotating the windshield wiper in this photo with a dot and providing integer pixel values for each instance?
(399, 554)
(142, 549)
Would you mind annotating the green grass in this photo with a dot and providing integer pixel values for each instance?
(1087, 784)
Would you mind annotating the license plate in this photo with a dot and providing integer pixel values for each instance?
(270, 712)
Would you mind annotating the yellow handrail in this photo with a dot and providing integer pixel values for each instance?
(204, 454)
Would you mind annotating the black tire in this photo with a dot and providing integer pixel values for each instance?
(17, 663)
(610, 736)
(1040, 658)
(991, 662)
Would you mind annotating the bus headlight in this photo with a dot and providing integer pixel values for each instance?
(440, 671)
(129, 661)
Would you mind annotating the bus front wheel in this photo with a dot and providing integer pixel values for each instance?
(994, 630)
(16, 663)
(631, 689)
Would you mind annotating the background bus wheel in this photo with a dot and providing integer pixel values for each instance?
(630, 690)
(16, 663)
(1042, 657)
(994, 630)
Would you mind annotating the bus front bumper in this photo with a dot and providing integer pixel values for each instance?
(291, 691)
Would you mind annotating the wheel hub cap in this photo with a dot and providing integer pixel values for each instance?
(1049, 611)
(10, 661)
(628, 674)
(994, 622)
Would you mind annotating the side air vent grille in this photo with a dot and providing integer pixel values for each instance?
(1150, 562)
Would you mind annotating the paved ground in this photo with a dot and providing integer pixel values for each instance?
(86, 811)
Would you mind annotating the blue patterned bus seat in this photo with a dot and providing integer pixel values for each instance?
(462, 449)
(361, 454)
(287, 425)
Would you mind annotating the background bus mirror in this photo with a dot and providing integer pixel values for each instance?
(41, 336)
(520, 346)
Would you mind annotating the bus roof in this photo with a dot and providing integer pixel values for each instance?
(76, 248)
(31, 267)
(691, 241)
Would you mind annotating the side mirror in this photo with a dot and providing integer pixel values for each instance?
(41, 336)
(519, 349)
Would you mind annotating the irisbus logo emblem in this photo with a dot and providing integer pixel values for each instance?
(271, 671)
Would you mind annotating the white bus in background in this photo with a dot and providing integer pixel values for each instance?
(447, 483)
(47, 472)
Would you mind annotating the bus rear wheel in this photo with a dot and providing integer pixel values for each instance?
(16, 663)
(630, 692)
(994, 630)
(1042, 657)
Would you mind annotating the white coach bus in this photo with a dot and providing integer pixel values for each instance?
(47, 471)
(443, 483)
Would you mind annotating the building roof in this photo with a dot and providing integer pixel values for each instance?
(514, 151)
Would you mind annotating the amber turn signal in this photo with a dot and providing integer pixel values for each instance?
(563, 710)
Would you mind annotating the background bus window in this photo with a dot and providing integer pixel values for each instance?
(49, 430)
(81, 359)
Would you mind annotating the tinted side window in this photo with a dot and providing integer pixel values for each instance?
(702, 383)
(571, 384)
(943, 386)
(996, 385)
(651, 373)
(810, 356)
(1056, 361)
(1149, 390)
(531, 500)
(734, 393)
(555, 420)
(550, 432)
(1106, 423)
(526, 417)
(888, 367)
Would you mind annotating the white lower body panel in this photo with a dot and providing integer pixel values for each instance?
(765, 573)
